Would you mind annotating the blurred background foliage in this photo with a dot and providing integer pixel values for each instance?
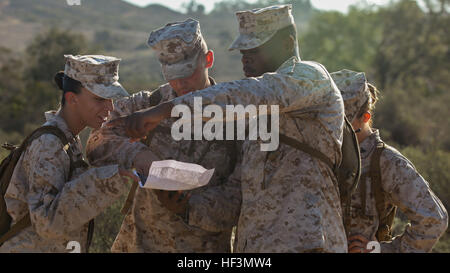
(402, 47)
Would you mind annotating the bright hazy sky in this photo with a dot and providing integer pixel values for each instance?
(340, 5)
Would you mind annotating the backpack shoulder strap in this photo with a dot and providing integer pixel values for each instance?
(348, 172)
(155, 98)
(62, 137)
(375, 175)
(16, 228)
(26, 221)
(129, 201)
(48, 129)
(308, 149)
(384, 232)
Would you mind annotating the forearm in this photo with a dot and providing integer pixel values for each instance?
(412, 194)
(242, 92)
(111, 146)
(56, 213)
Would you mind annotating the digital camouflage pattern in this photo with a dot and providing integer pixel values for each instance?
(404, 188)
(353, 87)
(149, 226)
(99, 74)
(290, 200)
(257, 26)
(178, 45)
(59, 208)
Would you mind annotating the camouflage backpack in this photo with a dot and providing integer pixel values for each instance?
(7, 167)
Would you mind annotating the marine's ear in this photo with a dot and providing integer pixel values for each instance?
(366, 117)
(209, 59)
(71, 98)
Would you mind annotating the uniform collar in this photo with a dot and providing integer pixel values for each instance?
(368, 145)
(288, 66)
(53, 118)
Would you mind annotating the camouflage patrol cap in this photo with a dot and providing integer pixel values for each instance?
(178, 45)
(354, 90)
(98, 73)
(257, 26)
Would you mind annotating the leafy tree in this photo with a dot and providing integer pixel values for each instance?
(340, 40)
(12, 99)
(412, 66)
(27, 84)
(415, 42)
(193, 8)
(45, 54)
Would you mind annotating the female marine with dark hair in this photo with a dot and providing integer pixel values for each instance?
(388, 181)
(53, 195)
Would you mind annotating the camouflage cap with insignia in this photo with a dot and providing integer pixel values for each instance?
(354, 90)
(97, 73)
(257, 26)
(178, 45)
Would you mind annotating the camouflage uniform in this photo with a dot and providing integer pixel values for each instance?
(400, 181)
(59, 208)
(149, 226)
(212, 210)
(290, 200)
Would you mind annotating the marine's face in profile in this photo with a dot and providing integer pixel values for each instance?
(186, 85)
(262, 59)
(254, 62)
(92, 109)
(361, 125)
(269, 56)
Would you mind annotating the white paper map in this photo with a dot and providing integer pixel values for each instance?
(172, 175)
